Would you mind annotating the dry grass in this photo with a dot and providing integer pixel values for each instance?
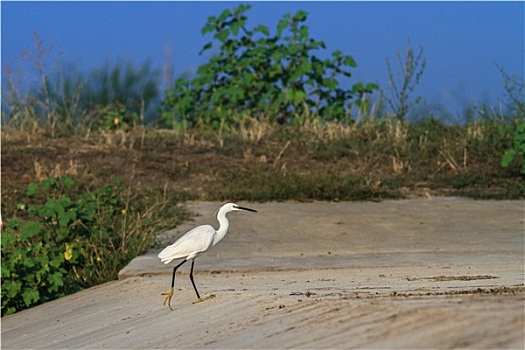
(372, 159)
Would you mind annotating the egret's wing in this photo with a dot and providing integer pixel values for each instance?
(190, 245)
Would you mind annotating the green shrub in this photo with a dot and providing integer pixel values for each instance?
(272, 76)
(117, 117)
(516, 153)
(62, 244)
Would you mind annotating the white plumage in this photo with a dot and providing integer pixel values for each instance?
(190, 245)
(195, 242)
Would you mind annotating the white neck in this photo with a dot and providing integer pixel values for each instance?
(223, 226)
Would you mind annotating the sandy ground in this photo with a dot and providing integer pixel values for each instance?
(425, 273)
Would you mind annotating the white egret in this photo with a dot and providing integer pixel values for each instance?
(195, 242)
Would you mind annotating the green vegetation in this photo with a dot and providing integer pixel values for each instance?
(70, 102)
(264, 120)
(516, 153)
(273, 77)
(72, 240)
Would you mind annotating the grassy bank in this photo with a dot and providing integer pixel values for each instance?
(260, 161)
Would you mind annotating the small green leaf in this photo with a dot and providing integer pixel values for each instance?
(208, 27)
(225, 14)
(65, 201)
(337, 54)
(54, 206)
(8, 239)
(262, 29)
(48, 183)
(11, 287)
(349, 61)
(56, 260)
(31, 189)
(234, 27)
(372, 86)
(65, 218)
(222, 35)
(282, 25)
(55, 281)
(508, 157)
(67, 181)
(28, 263)
(298, 97)
(13, 223)
(300, 16)
(241, 9)
(30, 296)
(30, 229)
(304, 32)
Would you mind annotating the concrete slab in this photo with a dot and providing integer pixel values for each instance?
(436, 273)
(324, 235)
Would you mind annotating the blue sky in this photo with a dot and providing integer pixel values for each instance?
(461, 40)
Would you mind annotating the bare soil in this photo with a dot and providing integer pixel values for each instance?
(198, 167)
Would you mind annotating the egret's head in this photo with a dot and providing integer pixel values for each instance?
(228, 207)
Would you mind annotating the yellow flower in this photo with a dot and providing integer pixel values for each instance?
(68, 254)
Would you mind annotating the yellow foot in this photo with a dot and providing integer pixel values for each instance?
(200, 300)
(168, 298)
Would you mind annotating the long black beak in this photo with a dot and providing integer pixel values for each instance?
(247, 209)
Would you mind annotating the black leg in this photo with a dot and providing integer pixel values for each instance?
(175, 270)
(170, 293)
(191, 279)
